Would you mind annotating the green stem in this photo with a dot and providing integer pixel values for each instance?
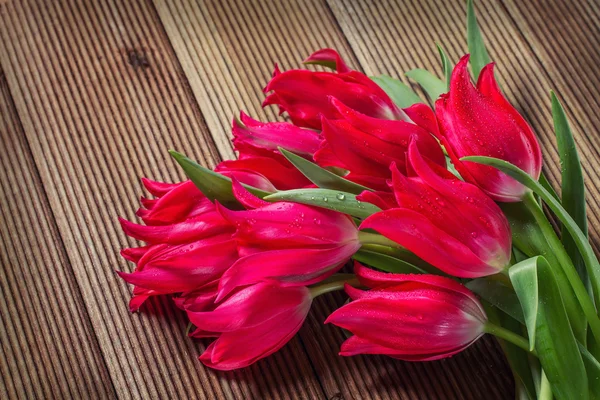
(367, 238)
(507, 335)
(567, 265)
(328, 287)
(545, 389)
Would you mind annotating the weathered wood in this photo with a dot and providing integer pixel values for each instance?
(291, 31)
(100, 90)
(102, 97)
(49, 348)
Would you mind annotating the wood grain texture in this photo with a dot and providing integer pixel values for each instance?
(95, 92)
(291, 31)
(49, 349)
(101, 97)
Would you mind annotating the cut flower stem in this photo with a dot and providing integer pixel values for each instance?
(367, 238)
(328, 287)
(507, 335)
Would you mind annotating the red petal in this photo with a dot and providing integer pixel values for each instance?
(329, 56)
(247, 199)
(295, 267)
(415, 232)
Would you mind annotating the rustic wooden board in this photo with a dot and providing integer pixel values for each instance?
(42, 315)
(97, 117)
(96, 91)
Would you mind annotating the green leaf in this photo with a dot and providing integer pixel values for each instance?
(529, 239)
(446, 65)
(548, 328)
(325, 198)
(214, 185)
(573, 189)
(546, 184)
(404, 255)
(400, 93)
(479, 55)
(591, 262)
(496, 290)
(592, 366)
(320, 176)
(452, 168)
(432, 85)
(386, 263)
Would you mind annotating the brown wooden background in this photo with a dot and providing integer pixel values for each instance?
(93, 93)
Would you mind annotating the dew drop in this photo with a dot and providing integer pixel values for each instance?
(474, 234)
(325, 199)
(341, 196)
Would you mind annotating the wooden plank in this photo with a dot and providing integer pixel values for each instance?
(228, 50)
(227, 55)
(394, 36)
(102, 97)
(564, 38)
(49, 349)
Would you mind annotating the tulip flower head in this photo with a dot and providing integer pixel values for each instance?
(188, 242)
(366, 146)
(479, 121)
(304, 94)
(263, 169)
(450, 224)
(251, 323)
(409, 317)
(272, 135)
(292, 243)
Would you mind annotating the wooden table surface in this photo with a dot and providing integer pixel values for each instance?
(93, 93)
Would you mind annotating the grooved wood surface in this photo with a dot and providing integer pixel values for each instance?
(93, 93)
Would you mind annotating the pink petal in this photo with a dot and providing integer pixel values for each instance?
(272, 135)
(422, 115)
(416, 233)
(382, 200)
(419, 321)
(294, 267)
(289, 225)
(134, 254)
(158, 189)
(241, 348)
(329, 56)
(476, 123)
(247, 199)
(207, 224)
(252, 306)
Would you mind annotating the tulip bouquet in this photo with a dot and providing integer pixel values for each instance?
(452, 228)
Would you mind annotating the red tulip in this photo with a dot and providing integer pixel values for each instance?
(480, 121)
(304, 94)
(293, 243)
(250, 324)
(409, 317)
(189, 243)
(367, 146)
(263, 169)
(271, 135)
(450, 224)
